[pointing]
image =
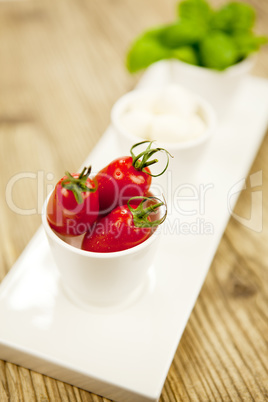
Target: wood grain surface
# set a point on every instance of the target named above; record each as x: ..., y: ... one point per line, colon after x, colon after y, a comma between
x: 61, y: 70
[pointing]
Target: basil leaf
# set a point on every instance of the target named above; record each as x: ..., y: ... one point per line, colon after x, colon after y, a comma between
x: 187, y: 54
x: 145, y: 51
x: 182, y: 33
x: 234, y: 16
x: 247, y: 43
x: 218, y: 51
x: 195, y: 10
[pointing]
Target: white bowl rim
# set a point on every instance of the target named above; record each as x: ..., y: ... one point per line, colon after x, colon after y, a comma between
x: 94, y: 255
x: 233, y: 70
x: 205, y: 106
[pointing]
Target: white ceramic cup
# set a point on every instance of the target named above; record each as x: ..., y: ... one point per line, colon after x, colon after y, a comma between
x: 186, y: 155
x: 101, y: 279
x: 217, y: 87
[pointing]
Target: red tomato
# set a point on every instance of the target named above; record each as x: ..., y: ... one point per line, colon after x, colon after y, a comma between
x: 126, y: 177
x: 123, y: 228
x: 119, y: 181
x: 74, y: 204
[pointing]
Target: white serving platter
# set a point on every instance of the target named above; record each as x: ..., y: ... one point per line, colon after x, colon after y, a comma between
x: 124, y: 352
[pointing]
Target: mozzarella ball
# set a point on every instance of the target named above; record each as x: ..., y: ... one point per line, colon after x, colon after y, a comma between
x: 175, y: 100
x: 137, y: 122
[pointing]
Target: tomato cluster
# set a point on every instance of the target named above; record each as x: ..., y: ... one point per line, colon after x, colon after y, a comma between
x: 112, y: 210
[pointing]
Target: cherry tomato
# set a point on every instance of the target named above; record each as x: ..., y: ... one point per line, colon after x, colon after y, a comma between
x: 74, y: 204
x: 126, y: 177
x: 123, y: 228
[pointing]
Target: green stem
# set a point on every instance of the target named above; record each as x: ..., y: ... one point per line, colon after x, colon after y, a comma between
x: 78, y: 185
x: 140, y: 214
x: 141, y: 161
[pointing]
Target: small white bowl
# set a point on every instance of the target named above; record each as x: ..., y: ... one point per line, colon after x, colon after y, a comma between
x: 101, y: 279
x: 186, y: 154
x: 217, y: 87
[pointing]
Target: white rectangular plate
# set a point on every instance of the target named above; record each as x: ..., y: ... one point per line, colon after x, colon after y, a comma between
x: 124, y: 353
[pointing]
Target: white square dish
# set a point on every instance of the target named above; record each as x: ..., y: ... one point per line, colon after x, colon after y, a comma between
x: 124, y: 352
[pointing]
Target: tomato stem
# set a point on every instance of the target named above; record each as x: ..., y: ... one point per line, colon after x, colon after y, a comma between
x: 78, y: 184
x: 141, y: 161
x: 140, y: 214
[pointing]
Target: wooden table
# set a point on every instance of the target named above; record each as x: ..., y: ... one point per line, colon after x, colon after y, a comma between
x: 61, y: 70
